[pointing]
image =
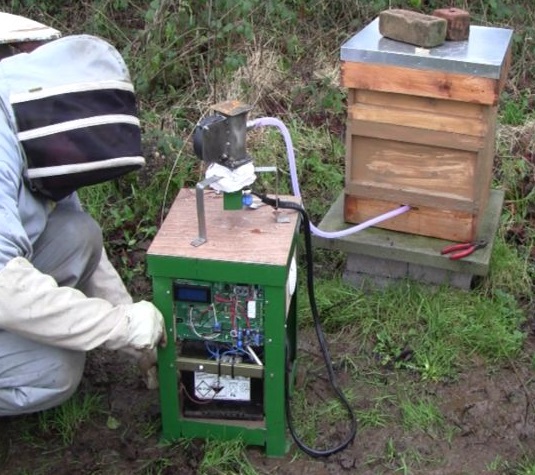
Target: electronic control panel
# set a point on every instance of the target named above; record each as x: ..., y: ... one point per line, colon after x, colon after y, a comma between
x: 219, y: 312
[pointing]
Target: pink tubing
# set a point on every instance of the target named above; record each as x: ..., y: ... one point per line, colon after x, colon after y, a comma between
x: 272, y: 121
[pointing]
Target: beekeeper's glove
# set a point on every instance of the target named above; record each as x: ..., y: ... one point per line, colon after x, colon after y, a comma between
x: 32, y: 305
x: 106, y: 283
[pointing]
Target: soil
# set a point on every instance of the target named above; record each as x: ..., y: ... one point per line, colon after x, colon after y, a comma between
x: 489, y: 416
x: 491, y: 413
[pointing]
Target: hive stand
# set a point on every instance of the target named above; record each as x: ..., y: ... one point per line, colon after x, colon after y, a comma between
x: 378, y: 257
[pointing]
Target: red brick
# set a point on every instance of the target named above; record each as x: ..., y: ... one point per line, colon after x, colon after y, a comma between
x: 458, y: 23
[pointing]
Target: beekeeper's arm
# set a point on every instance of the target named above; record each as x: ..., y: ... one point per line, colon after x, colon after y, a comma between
x: 32, y: 304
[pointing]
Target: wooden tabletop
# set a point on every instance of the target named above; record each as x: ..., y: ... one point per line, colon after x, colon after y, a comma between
x: 247, y: 235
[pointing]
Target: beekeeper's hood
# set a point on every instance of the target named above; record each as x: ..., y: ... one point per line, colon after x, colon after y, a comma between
x: 75, y: 111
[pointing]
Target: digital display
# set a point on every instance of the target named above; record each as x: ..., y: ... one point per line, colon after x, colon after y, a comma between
x: 192, y: 293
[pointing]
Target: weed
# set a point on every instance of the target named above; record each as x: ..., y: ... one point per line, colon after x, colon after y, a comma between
x: 225, y: 458
x: 422, y: 415
x: 66, y: 419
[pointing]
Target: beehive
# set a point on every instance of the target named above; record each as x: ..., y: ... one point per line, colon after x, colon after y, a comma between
x: 421, y: 129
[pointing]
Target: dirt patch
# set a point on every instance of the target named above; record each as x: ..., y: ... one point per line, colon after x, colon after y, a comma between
x: 488, y: 416
x: 128, y: 446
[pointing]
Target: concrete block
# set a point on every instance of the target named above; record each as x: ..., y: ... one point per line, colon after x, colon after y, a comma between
x: 377, y: 266
x: 376, y: 274
x: 458, y: 23
x: 435, y: 276
x: 411, y: 27
x: 367, y: 282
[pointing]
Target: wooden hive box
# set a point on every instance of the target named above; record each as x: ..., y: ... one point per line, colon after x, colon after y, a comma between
x: 421, y: 129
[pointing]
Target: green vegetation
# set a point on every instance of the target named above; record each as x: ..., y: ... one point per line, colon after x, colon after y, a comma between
x: 282, y: 57
x: 67, y: 418
x: 61, y: 422
x: 225, y: 458
x: 525, y: 466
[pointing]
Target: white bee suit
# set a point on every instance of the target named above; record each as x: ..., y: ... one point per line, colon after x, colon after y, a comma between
x: 59, y: 295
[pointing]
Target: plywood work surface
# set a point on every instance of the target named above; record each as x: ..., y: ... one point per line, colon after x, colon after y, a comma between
x: 248, y: 236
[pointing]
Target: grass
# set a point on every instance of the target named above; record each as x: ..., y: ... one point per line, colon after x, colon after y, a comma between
x: 421, y: 415
x: 283, y: 61
x: 377, y: 415
x: 225, y: 458
x: 439, y: 331
x: 163, y: 463
x: 66, y: 419
x: 398, y: 460
x: 310, y: 408
x: 524, y: 466
x: 61, y: 422
x: 516, y: 110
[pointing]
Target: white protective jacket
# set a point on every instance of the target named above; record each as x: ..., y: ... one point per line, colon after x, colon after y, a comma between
x: 32, y: 304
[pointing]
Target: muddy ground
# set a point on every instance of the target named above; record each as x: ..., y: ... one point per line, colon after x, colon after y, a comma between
x: 489, y: 420
x: 491, y: 413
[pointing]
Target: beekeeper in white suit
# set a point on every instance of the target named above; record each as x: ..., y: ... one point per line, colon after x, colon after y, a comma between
x: 59, y: 295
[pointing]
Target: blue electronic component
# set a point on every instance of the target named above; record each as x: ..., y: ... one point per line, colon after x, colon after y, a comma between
x: 224, y: 312
x: 247, y: 200
x: 191, y: 293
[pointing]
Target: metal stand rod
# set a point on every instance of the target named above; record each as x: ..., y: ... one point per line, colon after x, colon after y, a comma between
x: 201, y: 216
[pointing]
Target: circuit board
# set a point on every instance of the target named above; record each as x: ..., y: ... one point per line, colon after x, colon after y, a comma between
x: 219, y: 312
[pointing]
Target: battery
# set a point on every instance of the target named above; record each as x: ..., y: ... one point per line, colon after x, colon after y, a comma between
x: 222, y: 388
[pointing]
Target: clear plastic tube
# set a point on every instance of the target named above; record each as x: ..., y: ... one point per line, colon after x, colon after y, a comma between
x: 272, y: 121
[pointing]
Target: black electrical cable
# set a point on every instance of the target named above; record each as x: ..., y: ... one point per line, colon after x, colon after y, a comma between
x: 276, y: 203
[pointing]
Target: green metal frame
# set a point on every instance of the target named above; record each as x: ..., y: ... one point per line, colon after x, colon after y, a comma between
x: 279, y: 331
